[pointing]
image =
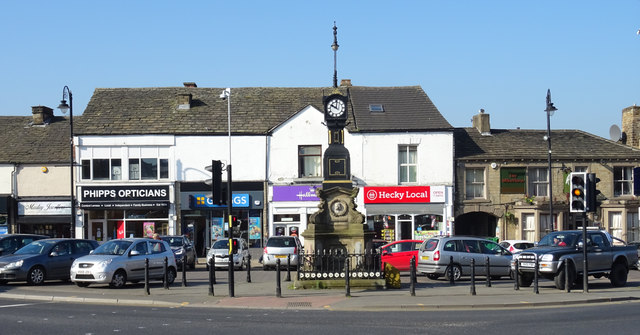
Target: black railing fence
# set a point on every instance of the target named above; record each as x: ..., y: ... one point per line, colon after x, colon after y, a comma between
x: 331, y: 264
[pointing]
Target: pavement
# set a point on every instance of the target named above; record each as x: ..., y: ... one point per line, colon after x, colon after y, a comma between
x: 261, y: 293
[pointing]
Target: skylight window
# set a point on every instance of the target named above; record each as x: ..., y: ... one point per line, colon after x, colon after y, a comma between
x: 376, y: 108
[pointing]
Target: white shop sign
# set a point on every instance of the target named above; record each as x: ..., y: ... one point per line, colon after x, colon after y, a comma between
x: 44, y: 208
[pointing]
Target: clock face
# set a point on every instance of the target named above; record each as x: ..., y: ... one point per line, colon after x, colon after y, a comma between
x: 336, y: 107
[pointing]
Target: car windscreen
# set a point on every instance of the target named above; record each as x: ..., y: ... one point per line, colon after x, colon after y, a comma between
x: 221, y: 244
x: 114, y: 247
x: 36, y: 247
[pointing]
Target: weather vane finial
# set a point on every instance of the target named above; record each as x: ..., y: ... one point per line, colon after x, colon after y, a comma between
x: 335, y: 47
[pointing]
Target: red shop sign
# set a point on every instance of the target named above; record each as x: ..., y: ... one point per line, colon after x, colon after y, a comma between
x: 397, y: 194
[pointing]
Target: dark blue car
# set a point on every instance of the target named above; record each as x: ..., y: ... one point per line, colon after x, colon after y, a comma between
x: 42, y: 260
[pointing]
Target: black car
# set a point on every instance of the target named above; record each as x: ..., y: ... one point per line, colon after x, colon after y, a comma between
x: 44, y: 259
x: 9, y: 243
x: 181, y: 245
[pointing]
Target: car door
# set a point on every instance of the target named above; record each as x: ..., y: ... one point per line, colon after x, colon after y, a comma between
x: 58, y: 263
x: 156, y: 260
x: 134, y: 264
x: 599, y: 252
x: 499, y: 259
x: 470, y: 250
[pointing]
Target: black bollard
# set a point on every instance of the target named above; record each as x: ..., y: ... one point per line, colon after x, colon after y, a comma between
x: 278, y: 289
x: 248, y: 268
x: 412, y: 287
x: 451, y: 280
x: 567, y: 283
x: 473, y: 276
x: 184, y: 270
x: 165, y: 279
x: 288, y: 268
x: 347, y: 274
x: 535, y: 277
x: 146, y: 276
x: 516, y: 284
x: 488, y: 271
x: 212, y: 277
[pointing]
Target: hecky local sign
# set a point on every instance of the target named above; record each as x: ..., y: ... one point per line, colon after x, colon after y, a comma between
x: 404, y: 194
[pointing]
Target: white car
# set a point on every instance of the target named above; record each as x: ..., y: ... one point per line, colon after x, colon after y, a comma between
x: 117, y: 261
x: 516, y: 246
x: 220, y: 250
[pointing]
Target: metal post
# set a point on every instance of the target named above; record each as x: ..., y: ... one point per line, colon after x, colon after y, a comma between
x: 278, y: 288
x: 212, y: 278
x: 165, y: 279
x: 535, y: 276
x: 473, y: 276
x: 249, y: 268
x: 516, y: 284
x: 184, y: 270
x: 288, y: 268
x: 64, y: 107
x: 412, y: 287
x: 585, y: 263
x: 567, y: 282
x: 146, y: 276
x: 230, y: 218
x: 488, y: 272
x: 451, y: 280
x: 550, y: 109
x: 347, y: 274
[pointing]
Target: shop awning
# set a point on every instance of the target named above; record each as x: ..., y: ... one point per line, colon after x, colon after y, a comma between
x: 381, y: 209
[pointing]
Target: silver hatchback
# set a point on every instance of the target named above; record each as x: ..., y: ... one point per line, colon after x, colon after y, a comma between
x: 117, y: 261
x: 438, y: 254
x: 281, y: 247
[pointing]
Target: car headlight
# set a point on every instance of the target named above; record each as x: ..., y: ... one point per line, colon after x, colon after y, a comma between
x: 179, y: 252
x: 546, y: 258
x: 104, y: 264
x: 14, y: 265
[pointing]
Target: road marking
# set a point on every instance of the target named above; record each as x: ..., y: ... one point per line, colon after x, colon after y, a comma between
x: 19, y: 305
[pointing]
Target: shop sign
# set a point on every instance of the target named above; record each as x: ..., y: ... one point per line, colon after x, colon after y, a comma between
x: 513, y: 181
x: 124, y: 193
x: 44, y: 208
x: 295, y: 193
x: 202, y: 201
x: 404, y: 194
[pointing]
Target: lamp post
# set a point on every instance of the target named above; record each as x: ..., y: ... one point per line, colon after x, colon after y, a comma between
x: 550, y: 110
x: 66, y: 92
x: 226, y: 95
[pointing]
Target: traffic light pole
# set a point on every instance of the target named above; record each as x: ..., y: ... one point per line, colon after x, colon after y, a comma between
x: 230, y: 220
x: 585, y: 263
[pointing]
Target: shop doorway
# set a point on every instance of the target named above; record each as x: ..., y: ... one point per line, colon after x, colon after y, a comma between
x: 98, y: 230
x: 405, y: 223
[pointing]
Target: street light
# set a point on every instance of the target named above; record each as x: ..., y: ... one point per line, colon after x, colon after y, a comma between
x: 66, y: 92
x: 550, y: 110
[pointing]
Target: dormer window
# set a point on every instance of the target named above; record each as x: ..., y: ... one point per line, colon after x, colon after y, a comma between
x: 376, y: 108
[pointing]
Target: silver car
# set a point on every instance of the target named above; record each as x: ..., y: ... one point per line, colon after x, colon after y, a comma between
x: 220, y: 250
x: 438, y: 254
x: 281, y: 247
x: 117, y: 261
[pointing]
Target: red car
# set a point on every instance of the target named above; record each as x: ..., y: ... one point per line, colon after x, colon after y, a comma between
x: 399, y: 253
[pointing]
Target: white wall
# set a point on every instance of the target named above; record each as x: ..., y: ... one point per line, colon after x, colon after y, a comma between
x: 5, y: 178
x: 43, y: 180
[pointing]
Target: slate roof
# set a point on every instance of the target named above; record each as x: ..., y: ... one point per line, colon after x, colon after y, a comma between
x: 254, y: 110
x: 529, y: 145
x: 23, y: 143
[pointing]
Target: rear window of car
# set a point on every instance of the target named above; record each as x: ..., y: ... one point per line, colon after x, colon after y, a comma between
x: 281, y: 242
x: 430, y: 245
x: 523, y: 245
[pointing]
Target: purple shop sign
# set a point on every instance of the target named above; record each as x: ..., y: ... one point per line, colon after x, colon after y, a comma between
x: 295, y: 193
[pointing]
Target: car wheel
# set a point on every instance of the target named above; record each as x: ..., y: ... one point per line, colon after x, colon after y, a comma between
x: 82, y: 284
x: 36, y: 276
x: 171, y: 276
x: 3, y: 282
x: 119, y: 279
x: 457, y: 272
x: 525, y: 280
x: 618, y: 276
x: 433, y: 276
x: 559, y: 279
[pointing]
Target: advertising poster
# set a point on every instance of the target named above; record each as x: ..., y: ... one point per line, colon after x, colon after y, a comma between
x: 255, y: 232
x: 217, y: 228
x: 120, y: 231
x: 149, y: 229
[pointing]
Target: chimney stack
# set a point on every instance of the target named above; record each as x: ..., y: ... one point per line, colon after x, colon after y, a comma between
x: 41, y: 115
x: 184, y: 101
x: 189, y: 84
x: 345, y: 83
x: 481, y: 122
x: 631, y: 125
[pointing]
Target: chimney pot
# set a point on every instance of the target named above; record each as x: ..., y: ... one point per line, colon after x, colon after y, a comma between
x: 345, y: 82
x: 189, y: 84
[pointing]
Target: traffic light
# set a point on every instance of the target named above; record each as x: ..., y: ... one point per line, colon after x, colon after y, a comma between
x: 578, y: 197
x: 592, y: 192
x: 216, y: 181
x: 234, y: 246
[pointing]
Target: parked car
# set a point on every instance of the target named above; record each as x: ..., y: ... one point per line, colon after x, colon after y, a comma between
x: 399, y: 253
x: 281, y: 247
x: 435, y: 257
x: 9, y: 243
x: 637, y: 244
x: 515, y: 246
x: 118, y: 261
x: 181, y: 245
x: 220, y: 250
x: 44, y: 259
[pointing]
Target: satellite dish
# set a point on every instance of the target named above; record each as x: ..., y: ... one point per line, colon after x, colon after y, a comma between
x: 614, y: 133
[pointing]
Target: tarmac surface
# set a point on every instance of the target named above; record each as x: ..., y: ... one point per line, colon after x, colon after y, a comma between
x: 261, y: 293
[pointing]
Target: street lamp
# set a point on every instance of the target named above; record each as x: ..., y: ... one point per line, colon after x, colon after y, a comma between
x: 66, y: 92
x: 550, y: 110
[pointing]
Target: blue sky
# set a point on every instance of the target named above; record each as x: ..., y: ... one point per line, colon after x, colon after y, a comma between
x: 501, y: 56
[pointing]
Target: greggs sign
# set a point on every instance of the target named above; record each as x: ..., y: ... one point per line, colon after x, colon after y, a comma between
x: 404, y: 194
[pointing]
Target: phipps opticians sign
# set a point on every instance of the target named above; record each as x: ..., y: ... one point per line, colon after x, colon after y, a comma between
x: 124, y: 196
